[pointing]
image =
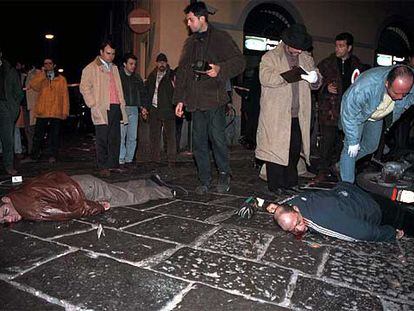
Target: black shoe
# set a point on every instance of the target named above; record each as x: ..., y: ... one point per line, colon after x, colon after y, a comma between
x: 223, y: 184
x: 277, y: 191
x: 202, y: 189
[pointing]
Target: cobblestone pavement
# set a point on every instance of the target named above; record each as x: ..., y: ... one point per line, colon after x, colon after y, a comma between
x: 191, y: 253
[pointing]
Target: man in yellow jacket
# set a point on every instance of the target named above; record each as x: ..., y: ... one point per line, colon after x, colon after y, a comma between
x: 51, y: 107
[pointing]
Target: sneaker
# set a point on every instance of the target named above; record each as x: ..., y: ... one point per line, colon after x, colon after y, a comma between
x: 121, y: 162
x: 202, y: 189
x: 223, y: 184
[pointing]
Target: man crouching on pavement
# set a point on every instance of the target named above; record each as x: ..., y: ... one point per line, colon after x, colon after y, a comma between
x: 345, y: 212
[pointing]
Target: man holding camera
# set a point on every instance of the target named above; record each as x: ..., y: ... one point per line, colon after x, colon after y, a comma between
x: 209, y: 58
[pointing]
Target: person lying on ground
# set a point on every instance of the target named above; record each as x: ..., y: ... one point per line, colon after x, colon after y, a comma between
x: 345, y: 212
x: 55, y: 196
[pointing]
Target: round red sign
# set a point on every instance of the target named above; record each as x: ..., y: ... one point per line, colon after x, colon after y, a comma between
x: 139, y: 21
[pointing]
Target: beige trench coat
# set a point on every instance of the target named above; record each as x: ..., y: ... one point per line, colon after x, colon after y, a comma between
x: 94, y: 87
x: 273, y: 133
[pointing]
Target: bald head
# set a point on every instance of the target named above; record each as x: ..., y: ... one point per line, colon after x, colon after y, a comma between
x: 289, y: 218
x: 399, y: 82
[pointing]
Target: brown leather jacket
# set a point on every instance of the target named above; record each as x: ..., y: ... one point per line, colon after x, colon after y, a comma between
x: 52, y: 196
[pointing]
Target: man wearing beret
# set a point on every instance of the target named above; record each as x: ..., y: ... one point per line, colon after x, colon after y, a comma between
x: 285, y: 108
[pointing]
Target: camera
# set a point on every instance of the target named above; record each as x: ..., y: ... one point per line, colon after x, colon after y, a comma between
x: 200, y: 66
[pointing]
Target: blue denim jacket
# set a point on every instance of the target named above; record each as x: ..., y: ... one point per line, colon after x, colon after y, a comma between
x: 362, y: 99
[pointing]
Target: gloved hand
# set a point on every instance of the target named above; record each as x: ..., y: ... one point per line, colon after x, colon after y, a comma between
x: 246, y: 211
x: 353, y: 150
x: 310, y: 76
x: 248, y: 208
x: 405, y: 196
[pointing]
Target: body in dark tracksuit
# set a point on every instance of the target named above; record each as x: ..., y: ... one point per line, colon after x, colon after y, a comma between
x: 346, y: 212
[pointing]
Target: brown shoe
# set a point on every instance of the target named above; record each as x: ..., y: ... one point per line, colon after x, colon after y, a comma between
x: 104, y: 172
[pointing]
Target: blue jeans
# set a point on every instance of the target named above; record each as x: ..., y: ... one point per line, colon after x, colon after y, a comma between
x: 369, y: 134
x: 210, y: 125
x: 129, y: 135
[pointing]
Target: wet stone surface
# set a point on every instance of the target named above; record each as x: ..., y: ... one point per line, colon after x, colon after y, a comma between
x: 175, y: 229
x: 191, y: 210
x: 102, y: 283
x: 289, y: 252
x: 384, y: 276
x: 260, y: 221
x: 120, y: 217
x: 19, y: 252
x: 239, y: 242
x: 203, y: 297
x: 226, y: 272
x: 117, y: 244
x: 49, y: 229
x: 316, y: 295
x: 12, y: 298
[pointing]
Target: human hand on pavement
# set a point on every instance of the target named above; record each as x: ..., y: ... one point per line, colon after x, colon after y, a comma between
x: 399, y: 234
x: 310, y: 76
x: 214, y: 71
x: 353, y: 150
x: 179, y: 110
x: 144, y: 113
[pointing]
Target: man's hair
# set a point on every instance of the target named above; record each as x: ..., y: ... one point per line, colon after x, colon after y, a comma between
x: 285, y: 209
x: 128, y: 56
x: 345, y: 36
x: 105, y: 43
x: 399, y: 71
x: 198, y: 8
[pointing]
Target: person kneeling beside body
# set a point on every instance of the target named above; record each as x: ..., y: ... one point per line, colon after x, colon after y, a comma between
x: 345, y: 212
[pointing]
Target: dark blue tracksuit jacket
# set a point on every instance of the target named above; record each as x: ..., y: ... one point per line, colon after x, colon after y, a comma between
x: 346, y: 212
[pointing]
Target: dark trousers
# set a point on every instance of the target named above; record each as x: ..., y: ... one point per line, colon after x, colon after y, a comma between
x: 53, y: 136
x: 108, y: 139
x: 280, y: 176
x: 395, y: 214
x: 157, y: 122
x: 210, y: 125
x: 7, y: 120
x: 330, y: 145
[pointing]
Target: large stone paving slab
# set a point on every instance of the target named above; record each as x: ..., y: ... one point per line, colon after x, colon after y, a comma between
x: 191, y: 210
x: 240, y: 242
x: 206, y: 298
x: 379, y: 275
x: 48, y: 229
x: 371, y: 248
x: 120, y: 217
x: 317, y: 295
x: 117, y: 244
x: 19, y: 252
x: 261, y: 221
x: 176, y: 229
x: 226, y: 272
x: 12, y: 298
x: 289, y: 252
x: 102, y: 283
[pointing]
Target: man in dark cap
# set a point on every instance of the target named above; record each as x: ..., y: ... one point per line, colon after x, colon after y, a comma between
x: 160, y: 88
x: 11, y: 95
x: 285, y: 109
x: 209, y: 59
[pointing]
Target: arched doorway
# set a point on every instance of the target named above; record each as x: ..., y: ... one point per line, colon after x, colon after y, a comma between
x: 262, y: 31
x: 394, y: 45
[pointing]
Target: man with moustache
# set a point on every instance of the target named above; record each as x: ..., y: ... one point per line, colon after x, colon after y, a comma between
x: 160, y: 88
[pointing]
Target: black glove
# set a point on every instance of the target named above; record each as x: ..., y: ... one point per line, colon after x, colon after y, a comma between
x: 247, y: 209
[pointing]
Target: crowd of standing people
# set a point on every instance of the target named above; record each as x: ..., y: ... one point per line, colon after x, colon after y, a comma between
x: 352, y: 103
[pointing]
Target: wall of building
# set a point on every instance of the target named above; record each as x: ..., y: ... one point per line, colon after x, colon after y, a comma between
x: 324, y: 20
